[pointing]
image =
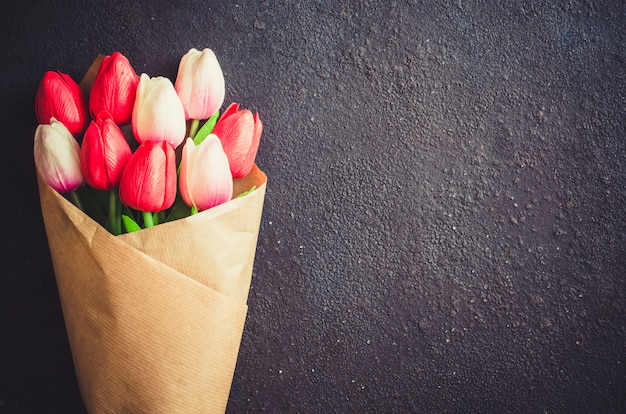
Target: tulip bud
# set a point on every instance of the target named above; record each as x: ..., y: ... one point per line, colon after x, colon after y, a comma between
x: 200, y: 84
x: 158, y: 114
x: 240, y: 133
x: 205, y: 179
x: 149, y: 180
x: 104, y: 153
x: 56, y: 154
x: 114, y: 89
x: 60, y: 97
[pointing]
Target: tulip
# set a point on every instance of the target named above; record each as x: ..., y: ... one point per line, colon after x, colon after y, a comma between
x: 60, y: 97
x: 104, y: 153
x: 56, y: 154
x: 200, y: 84
x: 205, y: 179
x: 240, y: 133
x: 114, y: 89
x: 149, y: 180
x: 158, y: 114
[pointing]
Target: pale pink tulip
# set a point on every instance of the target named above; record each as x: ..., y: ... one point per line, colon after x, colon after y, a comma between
x: 205, y: 179
x: 158, y: 114
x: 200, y: 84
x: 57, y: 158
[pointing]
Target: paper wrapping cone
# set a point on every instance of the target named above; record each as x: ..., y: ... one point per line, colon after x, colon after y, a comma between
x: 154, y: 318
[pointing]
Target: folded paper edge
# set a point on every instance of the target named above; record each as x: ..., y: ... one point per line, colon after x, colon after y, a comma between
x: 50, y: 198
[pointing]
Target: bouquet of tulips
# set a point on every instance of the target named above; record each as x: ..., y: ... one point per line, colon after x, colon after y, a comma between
x: 159, y: 113
x: 154, y: 313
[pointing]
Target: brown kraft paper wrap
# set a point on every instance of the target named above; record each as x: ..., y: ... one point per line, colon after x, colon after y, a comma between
x: 154, y: 318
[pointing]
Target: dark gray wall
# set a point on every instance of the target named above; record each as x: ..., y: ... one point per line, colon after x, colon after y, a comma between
x: 445, y: 221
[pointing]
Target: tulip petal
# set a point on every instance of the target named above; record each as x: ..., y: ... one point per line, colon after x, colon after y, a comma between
x: 56, y: 154
x: 93, y: 164
x: 104, y: 153
x: 59, y: 96
x: 170, y: 176
x: 248, y: 161
x: 114, y: 88
x: 200, y: 84
x: 149, y: 180
x: 205, y: 179
x: 158, y: 114
x: 231, y: 109
x: 238, y: 133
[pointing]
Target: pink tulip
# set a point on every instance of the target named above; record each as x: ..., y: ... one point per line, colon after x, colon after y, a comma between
x: 200, y: 84
x: 60, y: 97
x: 114, y: 89
x: 149, y: 180
x: 56, y: 154
x: 158, y: 114
x: 240, y: 133
x: 104, y: 153
x: 205, y: 179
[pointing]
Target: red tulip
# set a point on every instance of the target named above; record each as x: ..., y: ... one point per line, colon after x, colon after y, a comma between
x: 56, y: 154
x: 200, y: 84
x: 240, y: 133
x: 158, y: 114
x: 149, y: 180
x: 60, y: 97
x: 104, y: 153
x: 114, y: 89
x: 205, y: 179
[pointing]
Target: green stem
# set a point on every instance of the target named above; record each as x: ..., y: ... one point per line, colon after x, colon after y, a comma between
x: 194, y: 210
x: 147, y: 219
x: 115, y: 219
x: 193, y: 128
x: 76, y: 200
x: 118, y: 209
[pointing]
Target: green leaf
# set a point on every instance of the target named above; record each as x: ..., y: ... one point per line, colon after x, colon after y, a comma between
x: 179, y: 210
x: 206, y: 129
x: 245, y: 193
x: 160, y: 217
x: 129, y: 224
x: 94, y: 203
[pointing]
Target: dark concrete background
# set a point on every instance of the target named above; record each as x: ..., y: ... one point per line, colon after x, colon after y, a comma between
x: 445, y: 222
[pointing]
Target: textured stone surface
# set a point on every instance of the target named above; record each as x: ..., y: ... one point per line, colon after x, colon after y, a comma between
x: 445, y: 221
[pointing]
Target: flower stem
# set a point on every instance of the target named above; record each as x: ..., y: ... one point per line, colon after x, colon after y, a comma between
x: 76, y: 200
x: 147, y: 219
x: 193, y: 128
x: 115, y: 219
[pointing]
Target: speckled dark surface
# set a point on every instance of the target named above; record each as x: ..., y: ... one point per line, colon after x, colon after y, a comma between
x: 445, y: 221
